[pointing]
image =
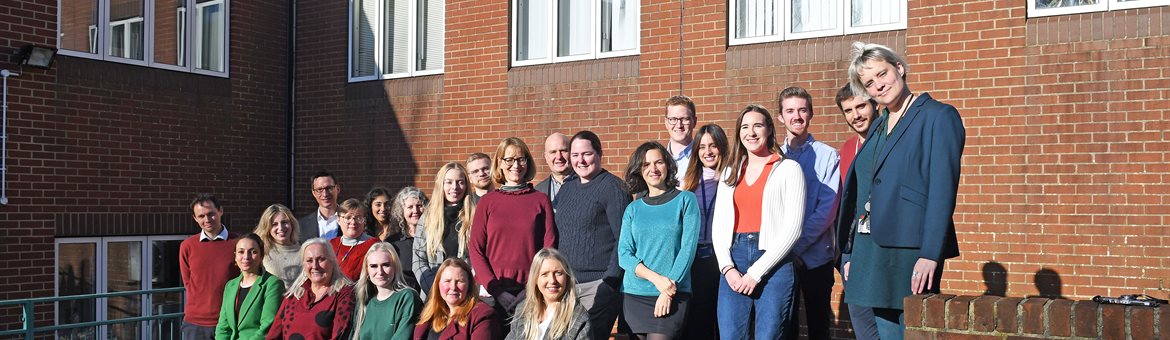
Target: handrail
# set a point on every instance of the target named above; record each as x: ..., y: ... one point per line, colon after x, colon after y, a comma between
x: 29, y: 329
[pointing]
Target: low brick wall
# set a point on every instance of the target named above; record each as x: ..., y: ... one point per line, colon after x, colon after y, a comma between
x: 943, y: 316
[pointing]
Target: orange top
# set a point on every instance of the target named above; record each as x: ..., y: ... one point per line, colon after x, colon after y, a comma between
x: 749, y: 198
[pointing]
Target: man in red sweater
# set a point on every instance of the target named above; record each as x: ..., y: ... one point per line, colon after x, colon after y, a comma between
x: 206, y: 261
x: 859, y: 112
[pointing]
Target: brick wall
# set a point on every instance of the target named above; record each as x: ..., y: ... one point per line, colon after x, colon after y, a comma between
x: 99, y: 148
x: 1064, y: 174
x: 991, y: 317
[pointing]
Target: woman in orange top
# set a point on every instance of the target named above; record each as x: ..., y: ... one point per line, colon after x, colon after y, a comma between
x: 758, y: 213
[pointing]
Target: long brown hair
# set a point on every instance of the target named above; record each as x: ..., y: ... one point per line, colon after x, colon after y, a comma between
x: 740, y: 152
x: 437, y: 313
x: 694, y: 176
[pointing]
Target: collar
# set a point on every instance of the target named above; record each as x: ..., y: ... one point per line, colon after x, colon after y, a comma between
x: 321, y: 218
x: 223, y: 235
x: 682, y: 153
x: 797, y: 148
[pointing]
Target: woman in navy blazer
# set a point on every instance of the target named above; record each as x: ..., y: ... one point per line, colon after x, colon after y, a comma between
x: 250, y: 301
x: 899, y: 197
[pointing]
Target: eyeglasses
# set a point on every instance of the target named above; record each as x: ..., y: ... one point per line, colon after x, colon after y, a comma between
x: 355, y: 219
x: 677, y: 120
x: 513, y: 160
x: 324, y: 189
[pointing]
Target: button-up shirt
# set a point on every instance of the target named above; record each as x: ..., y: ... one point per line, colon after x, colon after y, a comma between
x: 327, y: 227
x: 223, y: 235
x: 682, y: 159
x: 822, y: 177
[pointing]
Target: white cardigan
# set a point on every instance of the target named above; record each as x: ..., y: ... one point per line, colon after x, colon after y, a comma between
x: 782, y: 215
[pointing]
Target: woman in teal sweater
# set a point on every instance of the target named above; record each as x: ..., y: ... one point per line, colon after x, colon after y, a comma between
x: 657, y: 245
x: 251, y: 300
x: 387, y: 308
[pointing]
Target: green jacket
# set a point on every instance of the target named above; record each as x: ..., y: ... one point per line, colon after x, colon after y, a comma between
x: 256, y: 312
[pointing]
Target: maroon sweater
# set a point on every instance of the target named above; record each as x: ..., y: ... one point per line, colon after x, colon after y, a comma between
x: 304, y: 319
x: 206, y: 267
x: 508, y: 229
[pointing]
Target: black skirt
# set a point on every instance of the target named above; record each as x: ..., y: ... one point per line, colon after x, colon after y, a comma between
x: 639, y: 314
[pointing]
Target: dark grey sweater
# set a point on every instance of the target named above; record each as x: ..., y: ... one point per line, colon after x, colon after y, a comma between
x: 589, y: 222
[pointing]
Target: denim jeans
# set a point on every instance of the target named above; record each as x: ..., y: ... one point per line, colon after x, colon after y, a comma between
x: 890, y: 323
x: 772, y: 298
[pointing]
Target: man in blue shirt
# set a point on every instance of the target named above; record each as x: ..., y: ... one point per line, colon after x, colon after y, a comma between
x: 680, y: 123
x: 813, y: 251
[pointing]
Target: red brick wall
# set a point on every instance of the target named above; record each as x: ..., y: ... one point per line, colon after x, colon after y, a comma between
x: 100, y: 148
x: 1064, y: 176
x: 992, y: 317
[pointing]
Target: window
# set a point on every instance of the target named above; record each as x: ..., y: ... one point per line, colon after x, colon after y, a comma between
x: 1042, y: 8
x: 116, y: 264
x: 147, y: 32
x: 755, y: 21
x: 395, y: 38
x: 549, y: 31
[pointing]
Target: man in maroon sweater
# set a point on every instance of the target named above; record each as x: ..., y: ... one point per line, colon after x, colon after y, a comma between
x: 859, y: 112
x: 206, y: 261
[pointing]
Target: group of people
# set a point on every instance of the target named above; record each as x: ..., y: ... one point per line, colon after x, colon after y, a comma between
x: 702, y: 237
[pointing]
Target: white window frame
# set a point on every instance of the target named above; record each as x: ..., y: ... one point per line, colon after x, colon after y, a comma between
x: 1100, y: 6
x: 198, y: 47
x: 101, y: 274
x: 126, y: 36
x: 594, y: 36
x: 378, y: 26
x: 103, y: 29
x: 783, y: 19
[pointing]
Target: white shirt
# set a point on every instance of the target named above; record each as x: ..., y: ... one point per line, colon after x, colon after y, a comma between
x: 223, y: 235
x: 327, y: 227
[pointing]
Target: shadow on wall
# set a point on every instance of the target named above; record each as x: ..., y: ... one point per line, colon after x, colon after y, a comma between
x: 995, y: 277
x: 1048, y: 284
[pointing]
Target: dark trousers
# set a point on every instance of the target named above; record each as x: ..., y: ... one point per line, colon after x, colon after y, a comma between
x: 814, y: 286
x: 701, y: 324
x: 192, y: 331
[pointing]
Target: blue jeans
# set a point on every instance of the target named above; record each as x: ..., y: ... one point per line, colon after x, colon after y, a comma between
x: 890, y: 323
x: 772, y: 298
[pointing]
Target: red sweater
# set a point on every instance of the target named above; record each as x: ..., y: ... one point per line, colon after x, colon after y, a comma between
x: 507, y: 231
x: 304, y: 319
x: 848, y: 153
x: 350, y: 258
x: 206, y: 267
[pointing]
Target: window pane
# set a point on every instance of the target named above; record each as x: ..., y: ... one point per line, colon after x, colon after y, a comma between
x: 532, y: 29
x: 209, y: 31
x: 170, y: 31
x: 756, y: 18
x: 123, y: 274
x: 78, y: 25
x: 397, y: 34
x: 76, y: 275
x: 1063, y: 3
x: 619, y: 25
x: 573, y: 27
x: 126, y: 30
x: 814, y: 15
x: 875, y: 12
x: 365, y: 12
x: 430, y: 34
x: 165, y: 274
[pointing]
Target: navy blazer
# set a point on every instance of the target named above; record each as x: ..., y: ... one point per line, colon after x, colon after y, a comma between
x: 915, y: 183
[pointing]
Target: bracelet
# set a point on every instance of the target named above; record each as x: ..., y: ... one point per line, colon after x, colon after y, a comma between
x: 726, y: 269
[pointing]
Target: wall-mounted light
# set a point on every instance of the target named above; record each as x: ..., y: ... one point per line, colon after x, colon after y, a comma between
x: 37, y: 56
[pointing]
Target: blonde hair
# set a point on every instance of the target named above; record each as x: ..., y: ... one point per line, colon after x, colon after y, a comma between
x: 534, y: 306
x: 498, y: 160
x: 862, y: 53
x: 433, y: 220
x: 437, y: 313
x: 364, y: 290
x: 297, y: 289
x: 264, y: 227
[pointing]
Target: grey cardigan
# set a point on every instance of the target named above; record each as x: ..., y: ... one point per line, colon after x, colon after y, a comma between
x: 578, y: 327
x: 424, y: 266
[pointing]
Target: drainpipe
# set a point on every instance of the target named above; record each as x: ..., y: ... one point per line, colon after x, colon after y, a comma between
x: 292, y: 102
x: 5, y: 73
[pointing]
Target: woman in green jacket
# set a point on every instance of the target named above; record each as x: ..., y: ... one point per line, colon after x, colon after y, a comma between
x: 251, y: 300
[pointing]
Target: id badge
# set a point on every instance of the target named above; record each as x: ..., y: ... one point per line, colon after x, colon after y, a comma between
x: 863, y: 224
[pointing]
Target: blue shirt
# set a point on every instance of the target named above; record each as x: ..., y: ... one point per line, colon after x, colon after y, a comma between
x: 822, y: 178
x: 661, y: 236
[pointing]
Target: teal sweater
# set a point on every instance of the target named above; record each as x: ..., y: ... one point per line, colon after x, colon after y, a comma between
x: 393, y: 318
x: 660, y: 232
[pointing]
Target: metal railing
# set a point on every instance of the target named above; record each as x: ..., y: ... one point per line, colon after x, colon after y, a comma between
x: 28, y: 315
